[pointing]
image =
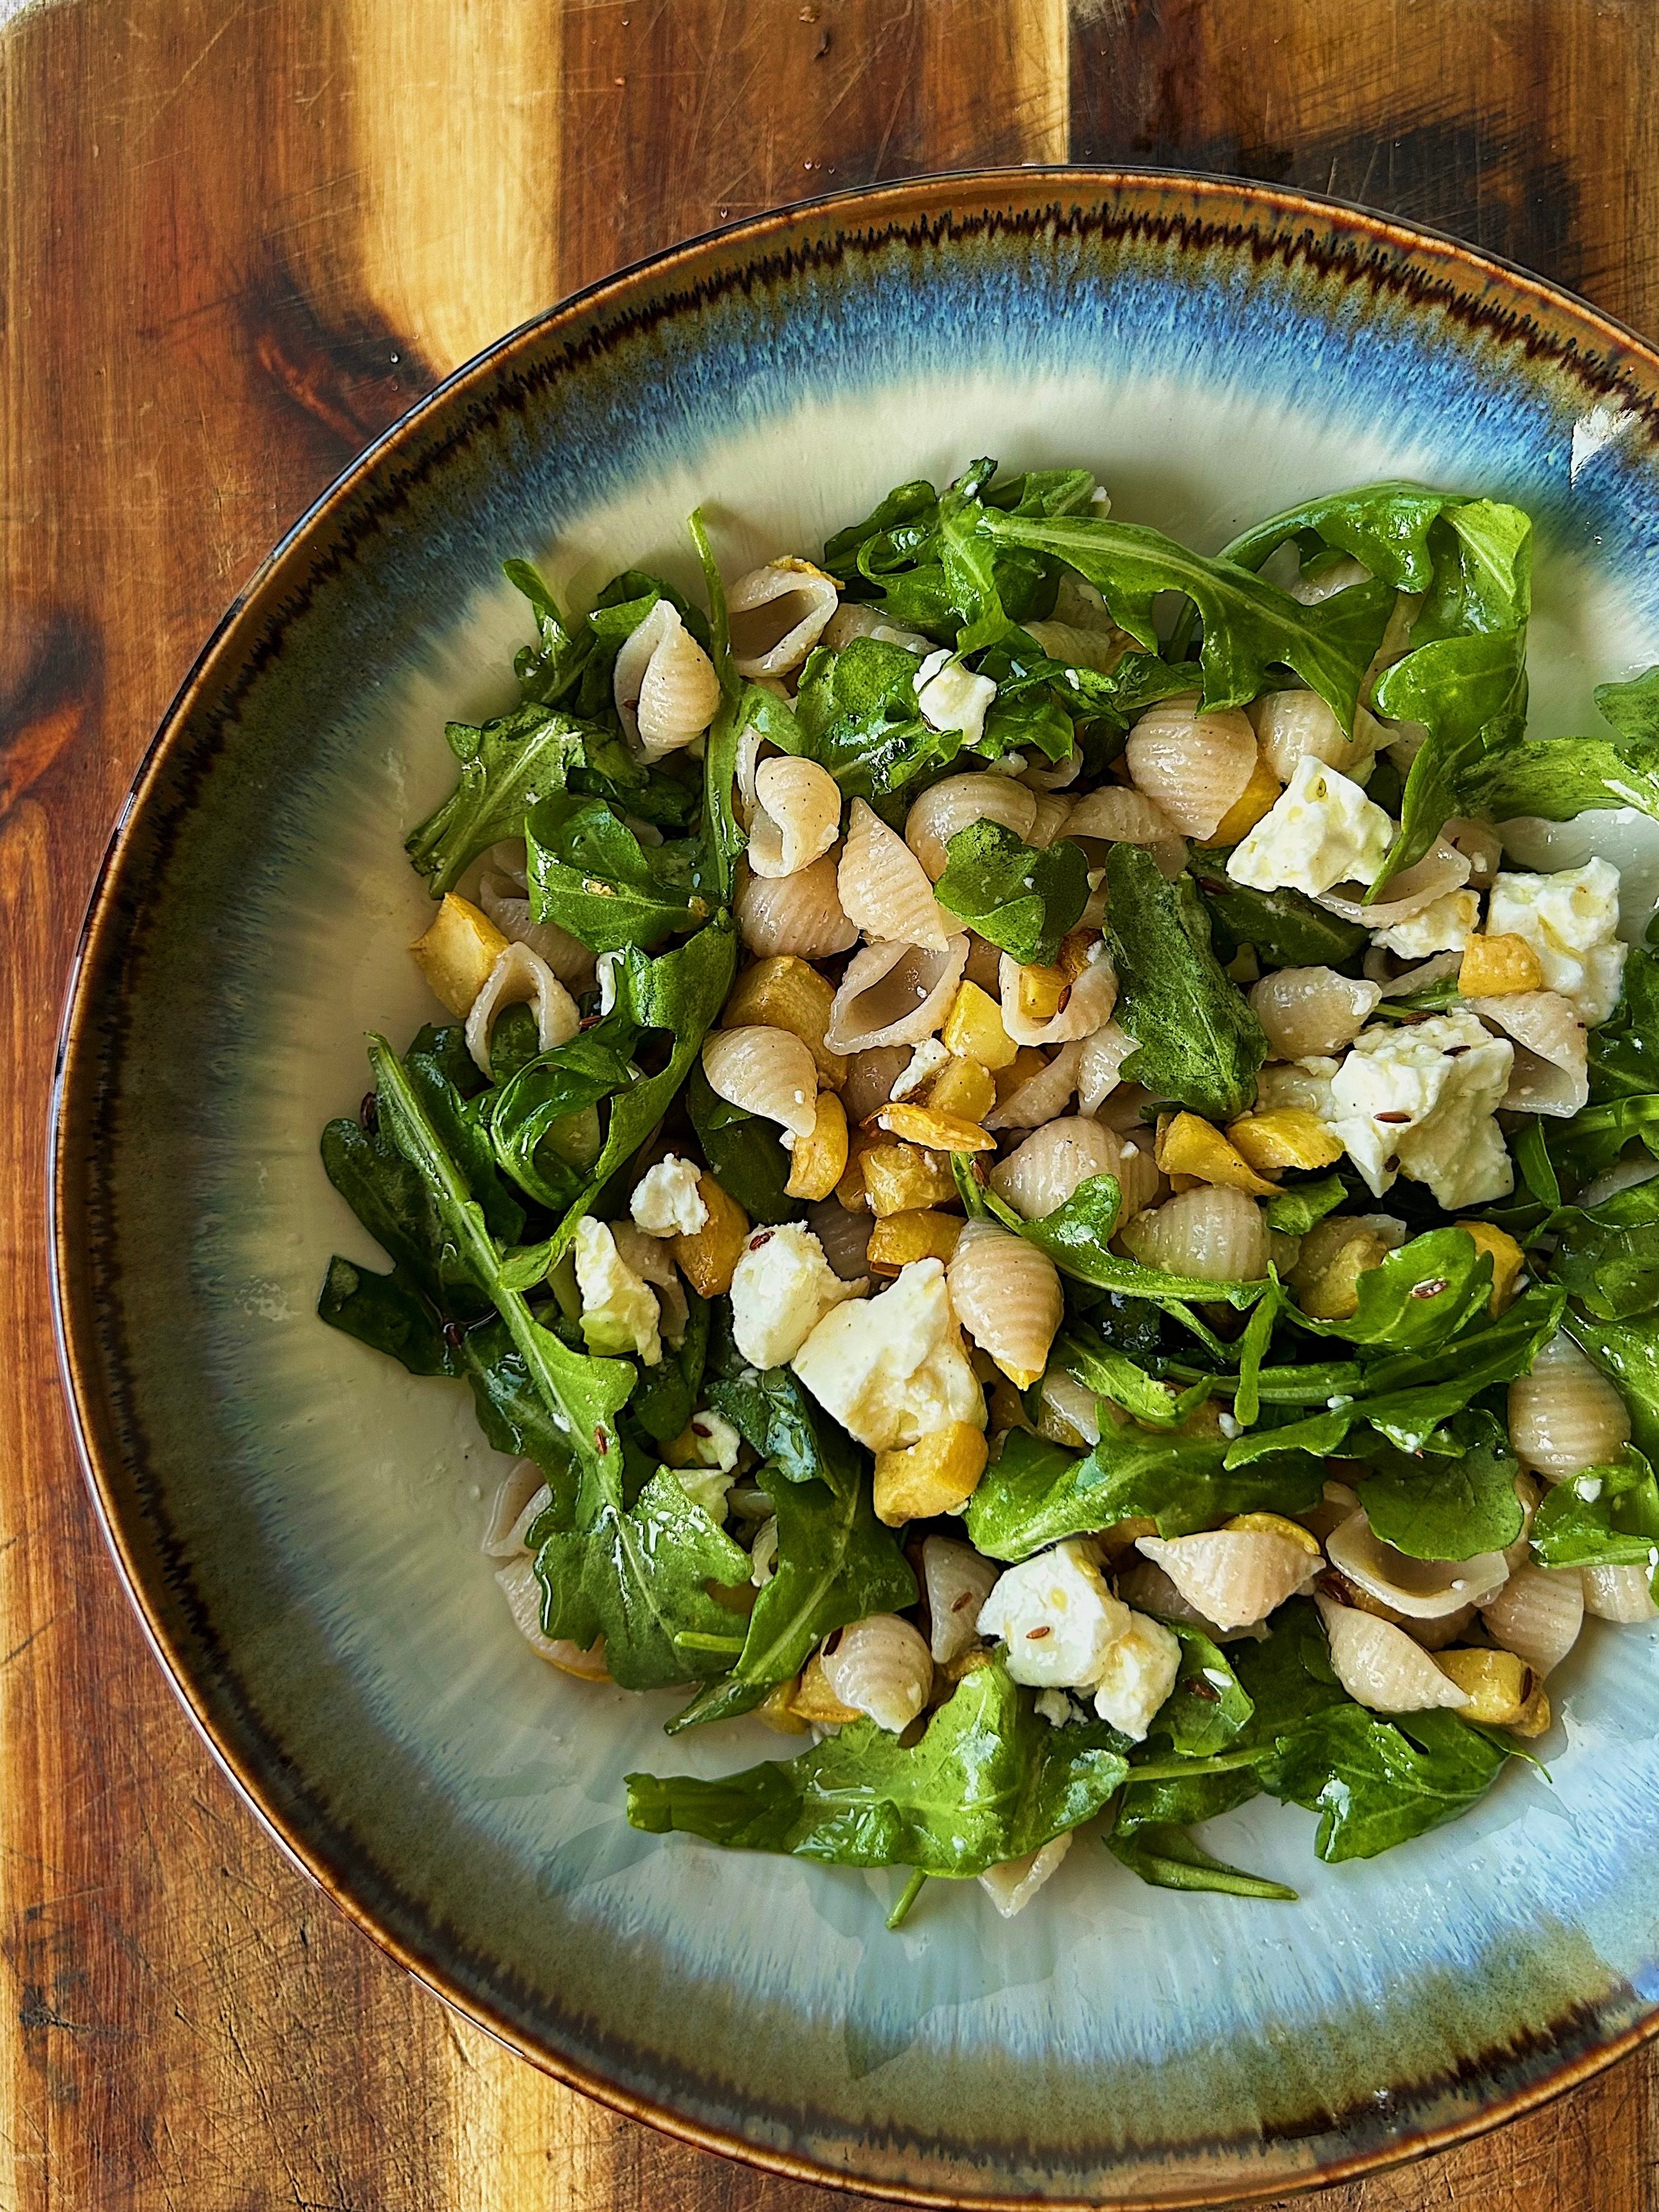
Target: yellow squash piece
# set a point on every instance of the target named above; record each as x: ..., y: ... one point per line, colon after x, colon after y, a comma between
x: 814, y: 1701
x: 819, y: 1161
x: 903, y: 1237
x: 937, y: 1131
x: 1258, y: 798
x: 1026, y: 1062
x: 777, y: 1710
x: 964, y: 1087
x: 940, y: 1472
x: 785, y: 992
x: 1289, y: 1137
x: 1507, y: 1260
x: 1333, y: 1293
x: 1494, y: 966
x: 458, y: 952
x: 1497, y: 1684
x: 973, y: 1029
x: 1041, y: 993
x: 1187, y: 1146
x: 901, y: 1178
x: 707, y: 1258
x: 1533, y: 1717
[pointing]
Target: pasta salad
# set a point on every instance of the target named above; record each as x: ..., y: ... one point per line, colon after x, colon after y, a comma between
x: 1035, y: 1201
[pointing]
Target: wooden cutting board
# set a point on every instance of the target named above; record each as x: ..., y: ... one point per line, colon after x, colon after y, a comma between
x: 240, y: 237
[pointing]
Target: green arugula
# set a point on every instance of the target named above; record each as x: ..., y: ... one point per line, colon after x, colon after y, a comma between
x: 1249, y: 626
x: 552, y: 667
x: 1197, y: 1041
x: 1294, y: 1210
x: 988, y: 1781
x: 1628, y: 1352
x: 1021, y: 899
x: 1607, y: 1256
x: 743, y: 1153
x: 1419, y: 1296
x: 543, y: 1128
x: 1038, y: 1493
x: 1384, y: 527
x: 667, y: 1395
x: 1286, y: 929
x: 1431, y: 1506
x: 1377, y: 1782
x: 1111, y: 1373
x: 1208, y: 1705
x: 1609, y: 1517
x: 590, y: 874
x: 639, y: 1576
x: 1624, y: 1053
x: 508, y: 767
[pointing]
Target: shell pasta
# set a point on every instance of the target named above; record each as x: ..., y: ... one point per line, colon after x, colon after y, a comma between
x: 1041, y: 1246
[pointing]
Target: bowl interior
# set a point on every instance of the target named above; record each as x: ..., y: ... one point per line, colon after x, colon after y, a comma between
x: 302, y: 1521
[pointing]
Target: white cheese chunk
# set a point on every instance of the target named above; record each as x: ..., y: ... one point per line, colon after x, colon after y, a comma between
x: 891, y: 1369
x: 1570, y: 921
x: 619, y: 1310
x: 926, y: 1061
x: 704, y: 1486
x: 666, y: 1202
x: 1139, y: 1674
x: 1057, y: 1617
x: 781, y: 1288
x: 1320, y: 831
x: 1418, y: 1101
x: 1445, y: 925
x: 951, y: 698
x: 714, y: 1442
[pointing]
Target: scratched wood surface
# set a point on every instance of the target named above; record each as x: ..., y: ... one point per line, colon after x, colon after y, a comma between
x: 240, y: 237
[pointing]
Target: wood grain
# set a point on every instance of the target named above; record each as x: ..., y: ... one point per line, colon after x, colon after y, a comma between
x: 239, y: 236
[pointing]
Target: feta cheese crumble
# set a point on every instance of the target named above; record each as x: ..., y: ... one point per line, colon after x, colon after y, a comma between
x: 1321, y: 830
x: 1057, y: 1618
x: 781, y: 1288
x: 1418, y: 1101
x: 951, y: 698
x: 1445, y: 925
x: 1570, y: 919
x: 1139, y: 1674
x: 891, y: 1369
x: 666, y: 1202
x: 619, y: 1310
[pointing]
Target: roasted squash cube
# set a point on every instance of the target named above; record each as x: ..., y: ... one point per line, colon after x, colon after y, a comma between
x: 818, y: 1161
x: 458, y: 952
x: 931, y: 1476
x: 973, y: 1029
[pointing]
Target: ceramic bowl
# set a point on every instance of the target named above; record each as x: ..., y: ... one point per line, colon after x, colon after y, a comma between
x: 298, y: 1523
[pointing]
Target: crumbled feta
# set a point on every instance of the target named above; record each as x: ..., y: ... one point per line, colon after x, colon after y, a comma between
x: 1057, y: 1617
x: 1320, y: 831
x: 666, y: 1202
x: 891, y: 1369
x: 619, y: 1310
x: 764, y: 1553
x: 1570, y: 921
x: 605, y: 970
x: 926, y: 1061
x: 713, y: 1441
x: 1445, y: 925
x: 1418, y: 1101
x: 704, y: 1486
x: 781, y: 1288
x: 951, y: 698
x: 1139, y: 1674
x: 1055, y: 1707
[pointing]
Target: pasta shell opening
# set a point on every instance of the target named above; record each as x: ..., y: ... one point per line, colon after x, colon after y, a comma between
x: 777, y: 614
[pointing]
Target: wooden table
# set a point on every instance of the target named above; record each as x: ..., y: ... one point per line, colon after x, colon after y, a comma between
x: 240, y: 236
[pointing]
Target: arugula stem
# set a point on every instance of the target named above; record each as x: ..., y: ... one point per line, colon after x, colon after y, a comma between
x: 691, y: 1639
x: 900, y: 1913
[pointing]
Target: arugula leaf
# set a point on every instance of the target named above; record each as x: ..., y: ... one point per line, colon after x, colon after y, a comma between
x: 1110, y: 1373
x: 590, y: 874
x: 638, y: 1576
x: 1197, y: 1041
x: 1624, y: 1053
x: 1167, y: 1857
x: 857, y: 714
x: 1377, y: 1782
x: 1209, y: 1704
x: 771, y: 1411
x: 1287, y: 929
x: 1607, y: 1255
x: 508, y: 766
x: 543, y: 1128
x: 1607, y: 1516
x: 1249, y: 626
x: 665, y: 1397
x: 1294, y: 1210
x: 988, y: 1781
x: 1024, y: 722
x: 386, y: 1314
x: 1586, y: 1144
x: 835, y: 1564
x: 1023, y: 900
x: 1384, y: 527
x: 1420, y: 1295
x: 1038, y: 1493
x: 906, y: 503
x: 582, y: 1395
x: 680, y: 992
x: 1628, y: 1352
x: 1560, y: 778
x: 551, y: 667
x: 1433, y: 1507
